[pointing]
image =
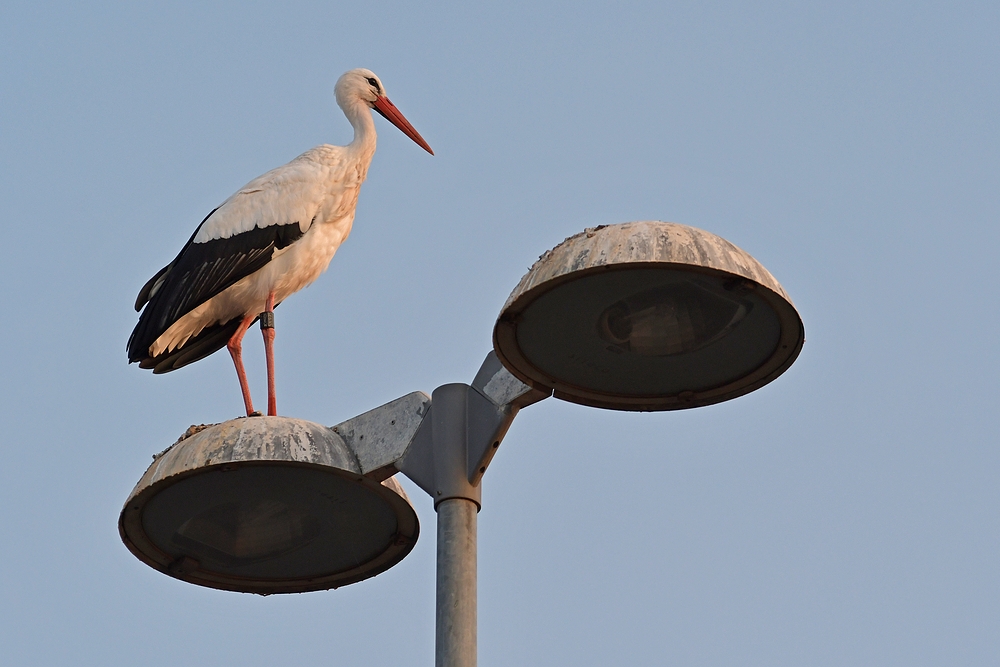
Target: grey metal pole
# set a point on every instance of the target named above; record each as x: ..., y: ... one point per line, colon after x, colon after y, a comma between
x: 455, y: 644
x: 450, y: 449
x: 456, y: 503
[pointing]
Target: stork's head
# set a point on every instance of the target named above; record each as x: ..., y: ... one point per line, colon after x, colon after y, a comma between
x: 364, y: 85
x: 357, y: 84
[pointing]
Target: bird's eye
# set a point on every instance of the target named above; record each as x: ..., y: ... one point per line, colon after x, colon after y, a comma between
x: 374, y: 83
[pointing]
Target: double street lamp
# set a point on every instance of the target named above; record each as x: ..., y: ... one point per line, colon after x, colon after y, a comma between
x: 638, y: 316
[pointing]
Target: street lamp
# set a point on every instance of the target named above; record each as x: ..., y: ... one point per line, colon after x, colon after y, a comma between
x: 648, y: 316
x: 265, y: 506
x: 637, y: 316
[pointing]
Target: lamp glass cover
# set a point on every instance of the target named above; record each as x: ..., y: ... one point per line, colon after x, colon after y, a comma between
x: 648, y: 332
x: 270, y: 521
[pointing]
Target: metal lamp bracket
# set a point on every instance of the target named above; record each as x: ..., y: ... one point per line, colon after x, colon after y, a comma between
x: 444, y: 442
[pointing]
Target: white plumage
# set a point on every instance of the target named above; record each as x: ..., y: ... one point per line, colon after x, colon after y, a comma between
x: 273, y: 237
x: 306, y: 189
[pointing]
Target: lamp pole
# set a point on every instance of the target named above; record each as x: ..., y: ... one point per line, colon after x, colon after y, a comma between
x: 457, y: 504
x: 447, y: 458
x: 455, y: 635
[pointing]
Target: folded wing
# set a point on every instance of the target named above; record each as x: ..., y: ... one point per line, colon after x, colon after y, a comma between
x: 232, y: 242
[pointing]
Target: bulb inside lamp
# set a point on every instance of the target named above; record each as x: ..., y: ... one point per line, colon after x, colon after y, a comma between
x: 669, y: 320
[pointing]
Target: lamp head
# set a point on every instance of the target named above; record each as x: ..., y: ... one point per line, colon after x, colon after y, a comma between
x: 647, y: 316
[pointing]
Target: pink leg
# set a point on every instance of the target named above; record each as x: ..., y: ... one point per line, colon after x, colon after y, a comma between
x: 267, y: 328
x: 235, y: 346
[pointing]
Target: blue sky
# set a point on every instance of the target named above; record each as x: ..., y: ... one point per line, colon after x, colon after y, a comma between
x: 845, y: 514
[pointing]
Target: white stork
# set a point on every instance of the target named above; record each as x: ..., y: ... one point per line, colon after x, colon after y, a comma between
x: 267, y: 241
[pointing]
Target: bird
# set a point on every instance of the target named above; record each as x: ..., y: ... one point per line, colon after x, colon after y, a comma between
x: 270, y: 239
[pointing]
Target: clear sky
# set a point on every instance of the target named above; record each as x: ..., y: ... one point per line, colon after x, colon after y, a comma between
x: 846, y: 514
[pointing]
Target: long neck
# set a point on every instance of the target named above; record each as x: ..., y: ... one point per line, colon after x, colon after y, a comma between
x: 360, y: 116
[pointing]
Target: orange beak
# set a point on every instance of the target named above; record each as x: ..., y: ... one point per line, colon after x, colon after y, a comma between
x: 391, y: 114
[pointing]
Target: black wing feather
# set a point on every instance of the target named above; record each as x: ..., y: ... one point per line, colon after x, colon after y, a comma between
x: 211, y: 339
x: 199, y: 272
x: 143, y: 297
x: 146, y: 292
